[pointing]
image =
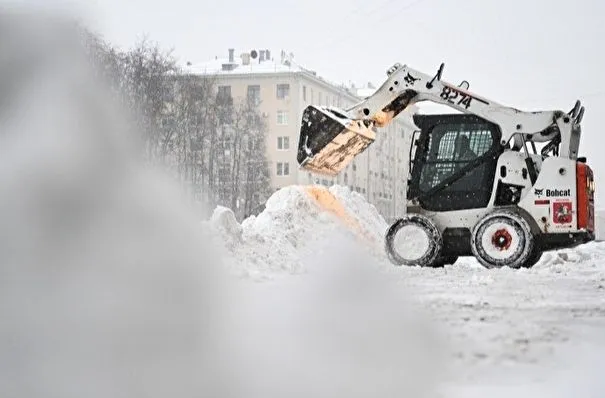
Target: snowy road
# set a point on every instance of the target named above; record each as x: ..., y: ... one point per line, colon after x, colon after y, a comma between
x: 542, y: 328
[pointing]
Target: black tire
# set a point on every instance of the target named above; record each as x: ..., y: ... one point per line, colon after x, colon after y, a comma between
x: 441, y: 261
x: 536, y: 254
x: 449, y: 260
x: 430, y: 256
x: 503, y: 239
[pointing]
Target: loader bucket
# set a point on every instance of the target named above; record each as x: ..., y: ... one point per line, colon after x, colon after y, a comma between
x: 329, y: 140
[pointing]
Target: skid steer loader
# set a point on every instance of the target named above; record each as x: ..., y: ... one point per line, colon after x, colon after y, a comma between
x: 488, y: 181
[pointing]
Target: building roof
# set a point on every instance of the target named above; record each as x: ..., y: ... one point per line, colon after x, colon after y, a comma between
x: 246, y: 64
x: 237, y: 66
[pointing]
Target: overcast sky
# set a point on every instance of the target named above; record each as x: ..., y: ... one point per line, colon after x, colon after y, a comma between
x: 531, y: 54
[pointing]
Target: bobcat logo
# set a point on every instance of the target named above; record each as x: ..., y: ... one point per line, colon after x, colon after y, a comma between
x: 552, y: 193
x: 409, y: 79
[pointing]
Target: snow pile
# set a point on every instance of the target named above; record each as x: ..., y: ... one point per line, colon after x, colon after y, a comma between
x: 223, y: 220
x: 585, y: 258
x: 301, y: 222
x: 365, y: 213
x: 106, y: 289
x: 298, y: 221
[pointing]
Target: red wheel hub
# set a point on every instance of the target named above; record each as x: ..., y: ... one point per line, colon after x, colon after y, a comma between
x: 502, y: 239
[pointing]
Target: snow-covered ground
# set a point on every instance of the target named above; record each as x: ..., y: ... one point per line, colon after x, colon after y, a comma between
x: 536, y: 332
x: 109, y: 288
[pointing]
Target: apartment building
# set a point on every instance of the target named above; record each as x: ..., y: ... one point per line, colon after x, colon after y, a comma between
x: 282, y: 89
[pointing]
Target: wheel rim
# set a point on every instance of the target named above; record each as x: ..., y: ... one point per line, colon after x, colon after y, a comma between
x: 412, y: 243
x: 502, y: 240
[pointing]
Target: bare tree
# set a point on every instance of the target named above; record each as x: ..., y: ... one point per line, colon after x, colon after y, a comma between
x: 148, y: 73
x: 253, y: 171
x: 237, y: 166
x: 193, y: 119
x: 214, y: 146
x: 106, y: 61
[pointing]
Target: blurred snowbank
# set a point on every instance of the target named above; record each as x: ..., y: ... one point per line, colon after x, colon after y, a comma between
x: 110, y: 288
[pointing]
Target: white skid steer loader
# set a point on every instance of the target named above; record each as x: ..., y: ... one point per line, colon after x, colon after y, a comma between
x: 478, y: 184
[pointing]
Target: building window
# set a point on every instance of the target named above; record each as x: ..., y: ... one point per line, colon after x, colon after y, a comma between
x: 224, y: 92
x: 254, y: 94
x: 282, y: 117
x: 319, y: 99
x: 283, y: 169
x: 283, y: 91
x: 283, y: 143
x: 304, y: 93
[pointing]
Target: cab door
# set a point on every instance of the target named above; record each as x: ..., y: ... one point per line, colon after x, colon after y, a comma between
x: 461, y: 147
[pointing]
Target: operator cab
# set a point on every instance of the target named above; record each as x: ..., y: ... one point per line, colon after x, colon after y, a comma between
x: 455, y: 161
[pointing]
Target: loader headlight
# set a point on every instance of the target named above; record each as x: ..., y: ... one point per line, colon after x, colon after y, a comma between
x: 590, y: 185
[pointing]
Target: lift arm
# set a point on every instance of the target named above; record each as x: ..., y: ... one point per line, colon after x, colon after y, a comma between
x: 406, y: 86
x: 331, y: 137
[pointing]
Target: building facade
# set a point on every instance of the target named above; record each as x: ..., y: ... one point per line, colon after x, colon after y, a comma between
x: 282, y: 90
